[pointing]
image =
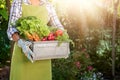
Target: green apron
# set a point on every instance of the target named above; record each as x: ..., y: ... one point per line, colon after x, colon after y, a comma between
x: 21, y: 67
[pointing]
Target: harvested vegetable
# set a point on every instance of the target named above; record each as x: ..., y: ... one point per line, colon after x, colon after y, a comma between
x: 34, y: 29
x: 29, y: 36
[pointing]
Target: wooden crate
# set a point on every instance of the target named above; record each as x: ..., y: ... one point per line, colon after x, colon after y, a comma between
x: 50, y: 50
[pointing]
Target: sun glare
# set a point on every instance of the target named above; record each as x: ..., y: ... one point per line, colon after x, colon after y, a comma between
x: 82, y: 3
x: 88, y: 6
x: 84, y: 10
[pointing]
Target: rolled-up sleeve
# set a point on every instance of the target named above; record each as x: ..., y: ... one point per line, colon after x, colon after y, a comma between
x: 15, y: 13
x: 54, y: 20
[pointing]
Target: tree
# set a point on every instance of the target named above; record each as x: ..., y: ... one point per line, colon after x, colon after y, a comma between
x: 8, y: 5
x: 115, y: 5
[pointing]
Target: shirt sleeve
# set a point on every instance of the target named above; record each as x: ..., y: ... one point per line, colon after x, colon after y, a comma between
x: 15, y: 13
x: 54, y: 20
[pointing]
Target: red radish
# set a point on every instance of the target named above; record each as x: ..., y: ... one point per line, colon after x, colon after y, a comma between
x: 51, y: 36
x: 44, y: 39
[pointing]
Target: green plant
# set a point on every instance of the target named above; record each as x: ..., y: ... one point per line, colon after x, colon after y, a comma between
x: 4, y: 42
x: 73, y: 67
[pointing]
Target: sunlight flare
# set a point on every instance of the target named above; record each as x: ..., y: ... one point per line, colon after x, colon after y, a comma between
x: 87, y: 12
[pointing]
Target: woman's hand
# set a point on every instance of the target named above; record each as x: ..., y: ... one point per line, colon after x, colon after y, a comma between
x: 15, y: 37
x: 25, y: 45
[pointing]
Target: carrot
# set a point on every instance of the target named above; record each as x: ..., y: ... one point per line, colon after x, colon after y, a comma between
x: 29, y: 36
x: 36, y: 37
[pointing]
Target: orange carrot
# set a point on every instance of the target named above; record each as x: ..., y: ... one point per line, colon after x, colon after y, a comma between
x: 36, y: 37
x: 29, y: 36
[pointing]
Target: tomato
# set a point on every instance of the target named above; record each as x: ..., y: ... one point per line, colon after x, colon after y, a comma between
x: 59, y: 33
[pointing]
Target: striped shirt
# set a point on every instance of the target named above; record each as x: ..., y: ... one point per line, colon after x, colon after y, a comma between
x: 16, y: 13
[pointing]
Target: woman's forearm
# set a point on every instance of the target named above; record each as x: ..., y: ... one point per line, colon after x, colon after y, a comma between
x: 15, y: 14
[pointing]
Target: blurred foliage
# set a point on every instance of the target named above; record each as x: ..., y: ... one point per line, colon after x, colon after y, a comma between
x: 91, y: 32
x: 73, y: 67
x: 4, y: 42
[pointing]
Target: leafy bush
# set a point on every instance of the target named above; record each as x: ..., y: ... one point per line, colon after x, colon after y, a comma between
x: 76, y: 67
x: 92, y: 33
x: 4, y: 42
